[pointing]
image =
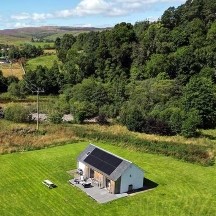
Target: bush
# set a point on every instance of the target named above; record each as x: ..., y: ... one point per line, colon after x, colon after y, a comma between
x: 15, y: 90
x: 17, y: 113
x: 156, y: 126
x: 191, y: 123
x: 132, y: 119
x: 82, y: 111
x: 55, y: 117
x: 6, y: 96
x: 102, y: 119
x: 62, y: 105
x: 176, y: 120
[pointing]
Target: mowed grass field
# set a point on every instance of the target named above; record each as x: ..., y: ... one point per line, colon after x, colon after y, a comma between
x: 183, y: 188
x: 45, y: 60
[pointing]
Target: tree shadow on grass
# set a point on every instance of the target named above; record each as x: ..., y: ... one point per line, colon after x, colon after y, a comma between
x: 147, y: 185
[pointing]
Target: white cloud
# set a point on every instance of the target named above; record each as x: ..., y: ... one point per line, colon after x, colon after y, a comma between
x: 22, y: 16
x: 17, y: 24
x: 34, y: 16
x: 63, y: 13
x: 20, y: 25
x: 41, y: 16
x: 92, y: 7
x: 83, y: 25
x: 96, y: 7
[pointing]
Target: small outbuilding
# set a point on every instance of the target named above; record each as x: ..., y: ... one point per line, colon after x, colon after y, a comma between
x: 110, y: 171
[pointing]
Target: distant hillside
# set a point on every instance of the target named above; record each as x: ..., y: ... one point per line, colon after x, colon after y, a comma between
x: 45, y: 31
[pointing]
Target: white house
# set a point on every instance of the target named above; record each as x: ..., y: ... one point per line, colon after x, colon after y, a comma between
x: 109, y: 171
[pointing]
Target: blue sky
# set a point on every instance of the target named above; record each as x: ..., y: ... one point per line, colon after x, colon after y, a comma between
x: 95, y: 13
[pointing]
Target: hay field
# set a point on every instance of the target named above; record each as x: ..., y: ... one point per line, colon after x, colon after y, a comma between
x: 12, y: 70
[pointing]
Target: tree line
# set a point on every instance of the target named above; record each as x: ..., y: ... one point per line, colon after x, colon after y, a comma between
x: 14, y: 53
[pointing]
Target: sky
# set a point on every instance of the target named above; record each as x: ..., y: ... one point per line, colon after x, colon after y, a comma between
x: 80, y: 13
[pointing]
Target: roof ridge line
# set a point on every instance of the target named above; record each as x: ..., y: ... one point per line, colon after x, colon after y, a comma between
x: 110, y: 153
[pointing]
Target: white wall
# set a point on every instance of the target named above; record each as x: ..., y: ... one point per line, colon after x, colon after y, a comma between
x: 132, y: 176
x: 81, y: 165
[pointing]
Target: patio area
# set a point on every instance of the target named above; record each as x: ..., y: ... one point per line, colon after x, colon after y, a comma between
x: 101, y: 195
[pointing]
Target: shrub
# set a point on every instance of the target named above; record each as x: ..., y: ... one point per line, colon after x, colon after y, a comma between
x: 134, y: 120
x: 62, y: 105
x: 6, y: 96
x: 102, y: 119
x: 82, y: 111
x: 191, y: 123
x: 15, y: 90
x: 55, y: 117
x: 17, y: 113
x: 176, y: 120
x: 156, y: 126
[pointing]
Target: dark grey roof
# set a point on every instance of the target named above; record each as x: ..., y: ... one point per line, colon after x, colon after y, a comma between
x: 104, y: 162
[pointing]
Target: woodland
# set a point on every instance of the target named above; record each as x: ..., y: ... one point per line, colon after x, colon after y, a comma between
x: 153, y: 77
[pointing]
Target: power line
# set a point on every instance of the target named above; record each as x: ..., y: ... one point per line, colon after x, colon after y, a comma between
x: 37, y: 90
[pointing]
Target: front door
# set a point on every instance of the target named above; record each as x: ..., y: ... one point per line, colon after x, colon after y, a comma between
x: 108, y: 184
x: 91, y: 173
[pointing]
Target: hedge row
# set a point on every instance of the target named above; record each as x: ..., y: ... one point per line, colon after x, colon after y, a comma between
x: 188, y: 152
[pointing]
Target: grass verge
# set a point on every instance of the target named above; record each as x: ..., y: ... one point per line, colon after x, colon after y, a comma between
x: 22, y: 137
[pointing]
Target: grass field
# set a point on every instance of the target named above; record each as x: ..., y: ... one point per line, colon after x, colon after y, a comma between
x: 61, y: 34
x: 52, y: 51
x: 12, y: 40
x: 183, y: 188
x: 46, y: 60
x: 41, y: 44
x: 14, y: 69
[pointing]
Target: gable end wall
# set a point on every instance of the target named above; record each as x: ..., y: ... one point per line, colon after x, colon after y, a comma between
x: 132, y: 176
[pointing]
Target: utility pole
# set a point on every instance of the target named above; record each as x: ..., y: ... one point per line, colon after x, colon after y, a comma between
x: 38, y: 91
x: 37, y: 111
x: 11, y: 68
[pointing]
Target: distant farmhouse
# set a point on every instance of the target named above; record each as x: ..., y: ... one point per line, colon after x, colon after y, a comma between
x: 114, y: 173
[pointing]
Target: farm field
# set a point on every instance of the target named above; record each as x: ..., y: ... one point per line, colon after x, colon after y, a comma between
x: 12, y: 70
x: 183, y: 188
x: 37, y: 44
x: 46, y: 60
x: 12, y: 40
x: 52, y: 51
x: 61, y: 34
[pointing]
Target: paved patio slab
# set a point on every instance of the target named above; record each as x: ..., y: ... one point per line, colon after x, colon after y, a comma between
x: 101, y: 195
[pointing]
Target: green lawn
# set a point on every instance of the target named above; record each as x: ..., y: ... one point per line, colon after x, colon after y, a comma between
x: 46, y: 60
x: 184, y: 189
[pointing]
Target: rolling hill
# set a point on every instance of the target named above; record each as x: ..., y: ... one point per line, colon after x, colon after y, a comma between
x: 43, y: 32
